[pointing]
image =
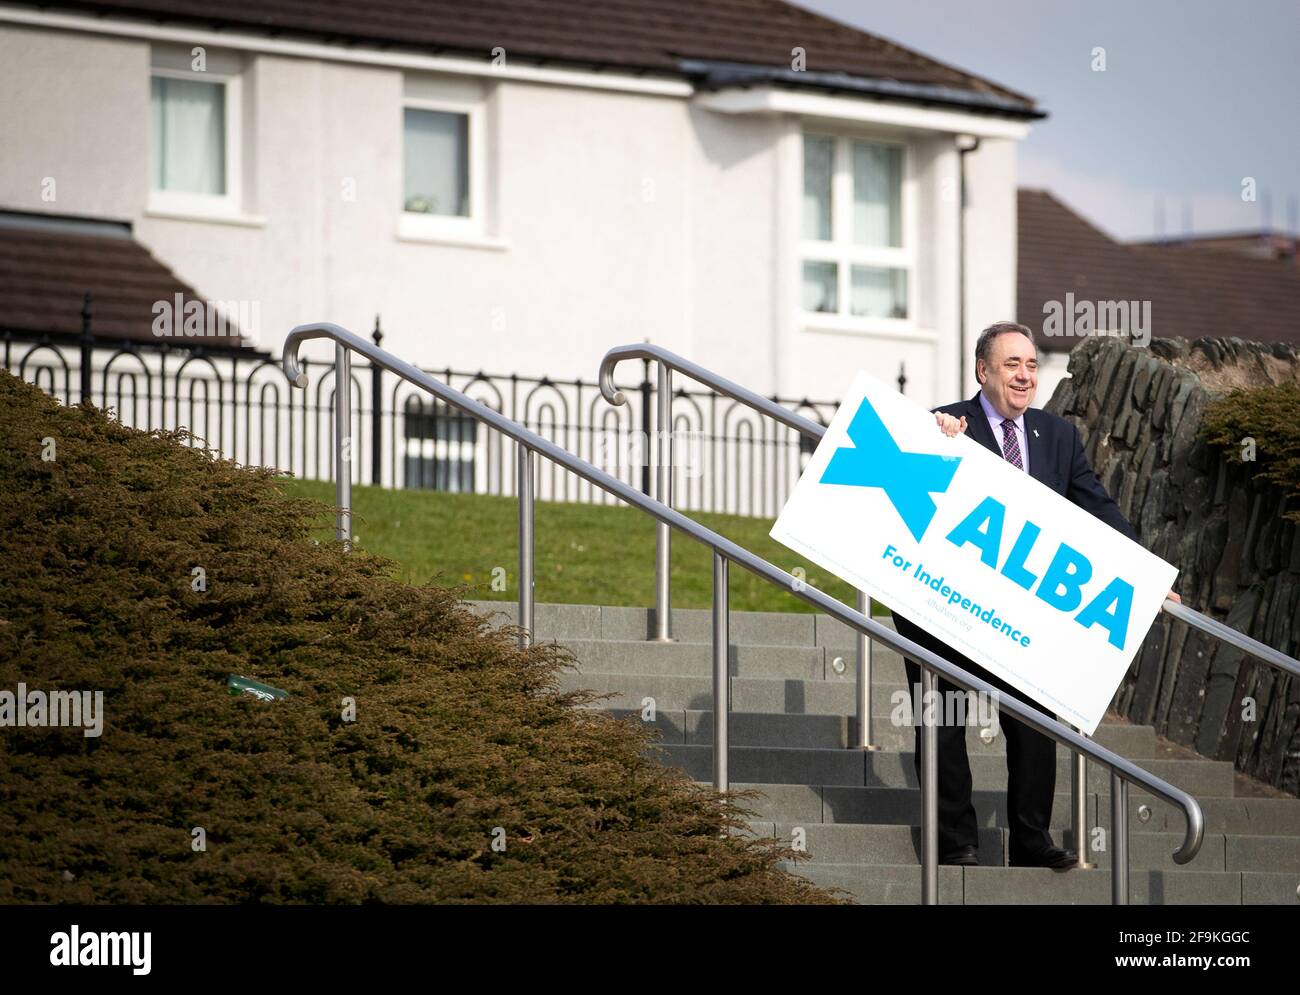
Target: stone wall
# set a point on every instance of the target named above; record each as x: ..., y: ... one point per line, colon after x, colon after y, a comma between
x: 1140, y: 412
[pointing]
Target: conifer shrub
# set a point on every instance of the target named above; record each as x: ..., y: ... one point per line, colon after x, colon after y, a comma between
x: 1261, y: 424
x: 138, y: 565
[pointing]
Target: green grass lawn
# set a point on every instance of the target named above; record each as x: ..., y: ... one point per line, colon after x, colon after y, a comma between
x: 584, y: 554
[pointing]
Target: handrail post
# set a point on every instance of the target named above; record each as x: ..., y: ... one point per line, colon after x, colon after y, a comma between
x: 865, y: 647
x: 664, y: 494
x: 1119, y: 840
x: 377, y: 415
x: 929, y: 789
x: 343, y: 442
x: 525, y: 474
x: 721, y: 675
x: 1079, y: 803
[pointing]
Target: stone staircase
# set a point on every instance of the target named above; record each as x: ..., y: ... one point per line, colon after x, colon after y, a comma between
x: 858, y: 812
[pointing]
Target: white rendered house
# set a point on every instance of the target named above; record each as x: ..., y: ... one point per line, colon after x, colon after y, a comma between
x: 777, y: 196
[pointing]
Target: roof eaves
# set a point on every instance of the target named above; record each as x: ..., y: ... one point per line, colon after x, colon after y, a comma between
x: 67, y: 225
x: 711, y: 75
x: 239, y: 32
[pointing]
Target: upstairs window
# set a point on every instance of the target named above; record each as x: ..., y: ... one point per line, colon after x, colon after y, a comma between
x: 436, y: 162
x: 189, y: 136
x: 194, y: 132
x: 444, y: 182
x: 856, y: 264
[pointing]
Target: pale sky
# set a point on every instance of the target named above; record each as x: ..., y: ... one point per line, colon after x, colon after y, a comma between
x: 1196, y: 96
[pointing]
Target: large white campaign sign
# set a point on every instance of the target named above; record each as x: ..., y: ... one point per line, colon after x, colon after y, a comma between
x: 992, y: 562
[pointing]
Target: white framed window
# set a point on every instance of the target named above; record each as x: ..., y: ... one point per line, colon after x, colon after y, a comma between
x: 194, y: 138
x: 435, y: 162
x: 443, y: 183
x: 857, y: 253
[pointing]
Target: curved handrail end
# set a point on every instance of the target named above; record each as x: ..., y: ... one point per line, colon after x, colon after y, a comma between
x: 300, y: 334
x: 1194, y: 833
x: 606, y: 376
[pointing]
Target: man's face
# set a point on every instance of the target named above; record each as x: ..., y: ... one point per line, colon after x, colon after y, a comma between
x: 1010, y: 377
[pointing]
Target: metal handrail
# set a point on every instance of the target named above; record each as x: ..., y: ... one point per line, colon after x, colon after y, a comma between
x: 669, y: 361
x: 1227, y: 634
x: 707, y: 377
x: 1123, y: 772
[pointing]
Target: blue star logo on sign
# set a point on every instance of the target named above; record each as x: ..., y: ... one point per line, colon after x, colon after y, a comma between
x: 874, y: 460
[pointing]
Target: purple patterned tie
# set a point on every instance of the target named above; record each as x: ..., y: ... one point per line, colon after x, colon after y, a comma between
x: 1011, y: 444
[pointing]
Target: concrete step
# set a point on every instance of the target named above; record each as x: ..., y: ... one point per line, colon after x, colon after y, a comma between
x: 694, y: 725
x: 845, y: 803
x: 748, y: 694
x: 901, y: 885
x: 841, y: 803
x: 1269, y: 888
x: 807, y: 663
x: 833, y: 701
x: 1271, y: 854
x: 798, y: 765
x: 1235, y: 816
x: 612, y: 656
x: 859, y: 843
x: 889, y: 700
x: 1041, y: 886
x: 891, y: 703
x: 848, y: 843
x: 564, y: 622
x: 790, y: 696
x: 879, y: 884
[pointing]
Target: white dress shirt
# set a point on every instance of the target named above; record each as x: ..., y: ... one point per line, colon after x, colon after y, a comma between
x: 995, y: 423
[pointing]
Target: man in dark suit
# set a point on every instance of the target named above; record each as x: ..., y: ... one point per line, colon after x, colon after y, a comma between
x: 1001, y: 419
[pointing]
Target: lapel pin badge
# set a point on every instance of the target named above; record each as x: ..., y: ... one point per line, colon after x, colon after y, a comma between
x: 1035, y: 433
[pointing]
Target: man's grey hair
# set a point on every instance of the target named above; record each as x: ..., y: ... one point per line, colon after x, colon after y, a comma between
x: 985, y: 341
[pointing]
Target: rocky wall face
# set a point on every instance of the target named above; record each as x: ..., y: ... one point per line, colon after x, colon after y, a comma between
x: 1139, y: 412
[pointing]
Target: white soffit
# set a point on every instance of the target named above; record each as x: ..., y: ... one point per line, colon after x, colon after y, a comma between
x: 771, y: 100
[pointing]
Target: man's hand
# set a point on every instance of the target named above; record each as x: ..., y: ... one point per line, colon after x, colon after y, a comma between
x: 1173, y: 596
x: 950, y: 425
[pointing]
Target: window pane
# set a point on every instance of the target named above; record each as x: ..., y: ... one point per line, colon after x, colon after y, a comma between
x: 820, y: 287
x: 436, y: 159
x: 877, y: 194
x: 818, y: 160
x: 878, y: 293
x: 189, y: 135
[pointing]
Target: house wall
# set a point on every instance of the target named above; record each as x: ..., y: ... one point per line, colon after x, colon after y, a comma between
x: 990, y: 247
x: 614, y: 217
x: 74, y: 111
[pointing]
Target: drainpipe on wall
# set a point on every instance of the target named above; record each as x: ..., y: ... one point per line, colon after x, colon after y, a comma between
x: 966, y: 144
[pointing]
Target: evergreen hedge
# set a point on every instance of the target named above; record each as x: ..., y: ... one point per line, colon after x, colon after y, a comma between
x: 457, y: 730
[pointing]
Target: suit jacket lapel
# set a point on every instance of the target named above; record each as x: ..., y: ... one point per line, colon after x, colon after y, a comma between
x: 977, y: 426
x: 1034, y: 445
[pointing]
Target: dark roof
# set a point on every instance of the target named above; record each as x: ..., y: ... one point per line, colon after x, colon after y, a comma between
x: 1231, y: 294
x: 1260, y: 242
x: 1194, y: 292
x: 49, y: 264
x: 653, y: 36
